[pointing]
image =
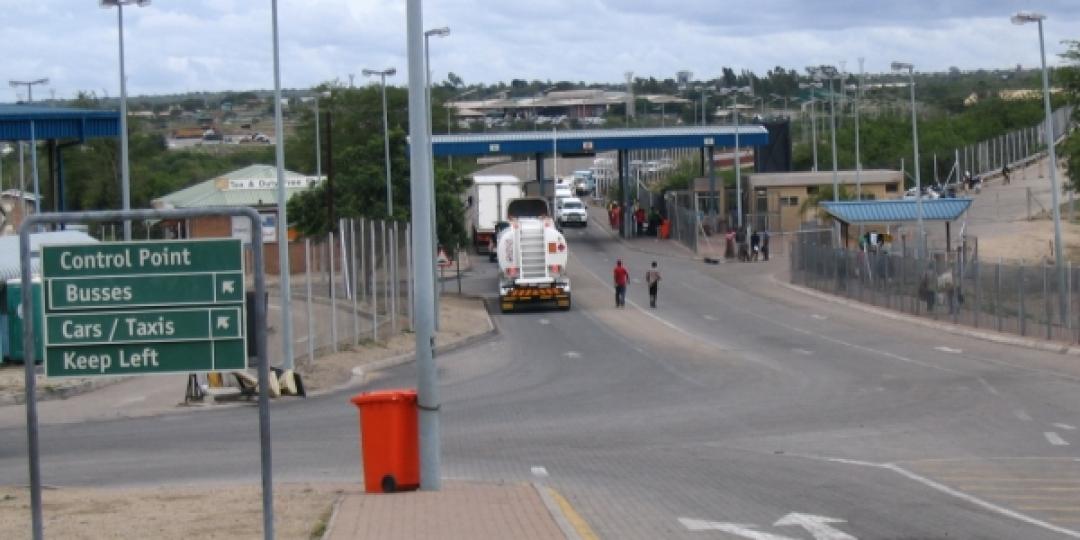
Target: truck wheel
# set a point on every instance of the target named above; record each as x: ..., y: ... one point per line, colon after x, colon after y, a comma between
x: 567, y: 306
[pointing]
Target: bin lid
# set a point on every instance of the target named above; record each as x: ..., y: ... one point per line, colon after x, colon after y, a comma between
x: 383, y: 396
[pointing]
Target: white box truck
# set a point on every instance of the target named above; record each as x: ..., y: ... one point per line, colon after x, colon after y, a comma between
x: 489, y: 196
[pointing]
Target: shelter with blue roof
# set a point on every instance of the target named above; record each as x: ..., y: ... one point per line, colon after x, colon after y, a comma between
x: 902, y: 211
x: 58, y: 128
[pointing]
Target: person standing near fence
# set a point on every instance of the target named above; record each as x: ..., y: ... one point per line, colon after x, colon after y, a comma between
x: 927, y: 290
x: 652, y: 278
x: 621, y: 278
x: 765, y: 245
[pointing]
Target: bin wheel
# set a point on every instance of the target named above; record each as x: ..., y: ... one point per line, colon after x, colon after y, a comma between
x: 389, y: 485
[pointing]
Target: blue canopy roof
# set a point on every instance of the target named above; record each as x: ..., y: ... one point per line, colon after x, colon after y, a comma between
x: 897, y: 210
x: 596, y: 140
x: 56, y: 123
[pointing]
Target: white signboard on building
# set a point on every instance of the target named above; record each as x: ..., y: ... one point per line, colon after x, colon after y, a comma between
x: 294, y: 182
x: 241, y: 228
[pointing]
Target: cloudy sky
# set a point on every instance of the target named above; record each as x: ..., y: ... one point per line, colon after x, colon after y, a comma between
x: 188, y: 45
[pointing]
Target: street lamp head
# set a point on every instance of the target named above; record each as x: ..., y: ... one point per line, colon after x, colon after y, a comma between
x: 106, y: 4
x: 439, y: 32
x: 383, y: 72
x: 902, y: 66
x: 1025, y: 17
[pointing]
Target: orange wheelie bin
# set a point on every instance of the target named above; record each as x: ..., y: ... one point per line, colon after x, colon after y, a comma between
x: 389, y: 440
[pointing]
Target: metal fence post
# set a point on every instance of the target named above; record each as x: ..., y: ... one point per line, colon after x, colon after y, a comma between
x: 976, y: 293
x: 363, y: 262
x: 409, y: 274
x: 374, y: 286
x: 333, y: 295
x: 386, y: 269
x: 355, y: 284
x: 310, y: 316
x: 393, y: 277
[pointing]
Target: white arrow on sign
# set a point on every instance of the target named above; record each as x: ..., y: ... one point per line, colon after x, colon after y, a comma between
x: 227, y: 287
x: 744, y: 530
x: 818, y: 526
x: 223, y: 322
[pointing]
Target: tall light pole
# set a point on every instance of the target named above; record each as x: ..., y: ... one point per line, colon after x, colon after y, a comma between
x: 1059, y: 247
x: 383, y: 74
x: 920, y: 246
x: 33, y: 143
x: 437, y: 32
x: 736, y: 162
x: 858, y: 151
x: 813, y: 117
x: 125, y: 170
x: 423, y: 243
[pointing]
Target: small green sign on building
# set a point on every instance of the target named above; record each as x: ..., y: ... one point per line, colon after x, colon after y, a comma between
x: 133, y: 308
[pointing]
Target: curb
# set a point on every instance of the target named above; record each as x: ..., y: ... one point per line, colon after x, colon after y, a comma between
x: 949, y: 327
x: 61, y: 393
x: 333, y: 517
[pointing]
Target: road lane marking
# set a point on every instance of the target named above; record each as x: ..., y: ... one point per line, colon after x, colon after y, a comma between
x: 818, y: 526
x: 710, y: 317
x: 819, y: 317
x: 581, y: 527
x: 1023, y: 415
x: 1055, y: 439
x: 989, y: 387
x: 949, y: 350
x: 571, y: 354
x: 961, y: 495
x: 745, y: 530
x: 1066, y: 427
x: 544, y: 322
x: 539, y: 472
x: 803, y: 351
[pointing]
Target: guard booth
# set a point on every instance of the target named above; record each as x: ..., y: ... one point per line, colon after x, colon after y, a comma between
x: 11, y: 315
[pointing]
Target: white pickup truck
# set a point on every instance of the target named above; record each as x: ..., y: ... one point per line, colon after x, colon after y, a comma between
x: 571, y: 211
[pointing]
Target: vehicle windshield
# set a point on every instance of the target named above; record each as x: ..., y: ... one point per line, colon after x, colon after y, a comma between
x: 573, y: 205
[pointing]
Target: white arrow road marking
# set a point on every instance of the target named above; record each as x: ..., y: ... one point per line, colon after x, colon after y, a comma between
x: 948, y: 350
x: 738, y: 529
x: 1055, y: 439
x: 539, y: 472
x: 818, y: 526
x: 1066, y: 427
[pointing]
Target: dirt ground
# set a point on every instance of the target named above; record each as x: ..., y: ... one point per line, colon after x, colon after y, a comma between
x: 1028, y: 240
x: 167, y: 513
x: 459, y: 319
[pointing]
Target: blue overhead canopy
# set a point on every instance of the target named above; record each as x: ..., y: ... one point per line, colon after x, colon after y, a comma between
x: 596, y: 140
x: 897, y: 210
x: 56, y: 123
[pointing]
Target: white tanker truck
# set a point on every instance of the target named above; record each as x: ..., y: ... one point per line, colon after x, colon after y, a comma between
x: 532, y: 258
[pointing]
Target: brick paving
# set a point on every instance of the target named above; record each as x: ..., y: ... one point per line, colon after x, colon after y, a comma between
x: 460, y: 510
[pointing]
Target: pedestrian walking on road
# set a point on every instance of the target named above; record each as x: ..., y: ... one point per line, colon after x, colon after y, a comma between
x: 1005, y: 173
x: 621, y: 278
x: 652, y: 277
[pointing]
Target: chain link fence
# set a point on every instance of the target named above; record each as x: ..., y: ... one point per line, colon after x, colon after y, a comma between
x: 1017, y: 298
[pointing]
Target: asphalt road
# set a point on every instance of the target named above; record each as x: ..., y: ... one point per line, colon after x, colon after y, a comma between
x: 738, y: 407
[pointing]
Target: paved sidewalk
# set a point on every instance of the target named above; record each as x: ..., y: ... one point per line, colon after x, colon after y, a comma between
x: 461, y: 510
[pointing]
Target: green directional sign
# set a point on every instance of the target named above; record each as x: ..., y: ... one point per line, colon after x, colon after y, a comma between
x: 139, y: 291
x: 144, y: 326
x: 142, y: 258
x: 134, y: 308
x: 145, y: 358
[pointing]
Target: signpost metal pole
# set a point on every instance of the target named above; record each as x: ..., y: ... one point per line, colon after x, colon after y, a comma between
x: 30, y: 224
x: 333, y: 295
x: 310, y: 315
x: 282, y: 219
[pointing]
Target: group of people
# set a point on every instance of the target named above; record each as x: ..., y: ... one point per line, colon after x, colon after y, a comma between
x: 736, y: 240
x: 645, y: 223
x: 622, y: 278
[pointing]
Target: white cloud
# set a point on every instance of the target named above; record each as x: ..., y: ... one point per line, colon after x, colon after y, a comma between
x: 182, y: 45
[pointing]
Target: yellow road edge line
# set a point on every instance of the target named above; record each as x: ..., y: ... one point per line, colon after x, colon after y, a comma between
x: 582, y: 527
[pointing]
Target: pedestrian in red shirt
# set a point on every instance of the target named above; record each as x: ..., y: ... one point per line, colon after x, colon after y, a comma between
x: 639, y: 218
x: 621, y: 277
